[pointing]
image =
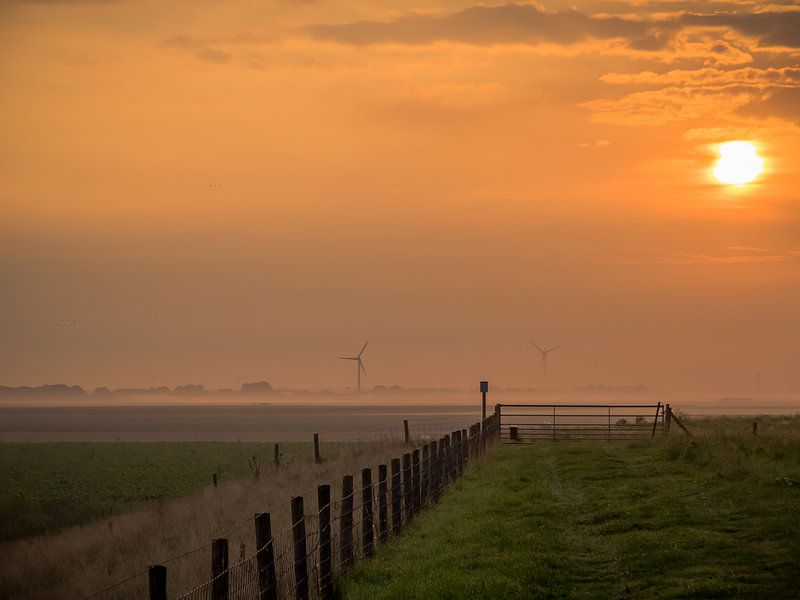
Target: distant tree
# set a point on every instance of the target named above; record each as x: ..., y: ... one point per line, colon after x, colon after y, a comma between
x: 61, y: 389
x: 259, y: 387
x: 102, y: 391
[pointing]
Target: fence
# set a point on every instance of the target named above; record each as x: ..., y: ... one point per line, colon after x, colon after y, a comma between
x: 582, y: 422
x: 346, y: 525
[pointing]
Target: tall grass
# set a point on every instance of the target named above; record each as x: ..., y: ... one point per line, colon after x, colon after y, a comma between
x: 81, y: 560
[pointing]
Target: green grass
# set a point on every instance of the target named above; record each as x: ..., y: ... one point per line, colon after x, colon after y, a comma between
x: 48, y: 486
x: 707, y: 517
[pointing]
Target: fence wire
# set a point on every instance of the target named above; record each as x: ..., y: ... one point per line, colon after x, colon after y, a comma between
x: 354, y: 527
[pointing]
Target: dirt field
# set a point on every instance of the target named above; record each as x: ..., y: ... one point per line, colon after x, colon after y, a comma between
x: 296, y: 420
x: 252, y: 423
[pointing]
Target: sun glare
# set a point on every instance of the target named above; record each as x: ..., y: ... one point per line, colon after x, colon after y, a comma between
x: 738, y: 163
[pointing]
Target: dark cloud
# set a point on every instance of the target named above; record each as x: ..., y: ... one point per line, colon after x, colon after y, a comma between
x: 485, y: 25
x: 527, y: 24
x: 772, y: 28
x: 782, y: 103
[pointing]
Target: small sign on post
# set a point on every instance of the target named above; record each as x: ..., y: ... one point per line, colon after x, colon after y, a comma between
x: 484, y: 391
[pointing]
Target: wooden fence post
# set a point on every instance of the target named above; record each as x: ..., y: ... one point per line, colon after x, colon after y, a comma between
x: 395, y: 496
x: 454, y: 462
x: 367, y: 531
x: 755, y: 427
x: 265, y: 558
x: 459, y: 454
x: 157, y: 582
x: 471, y: 438
x: 219, y: 569
x: 426, y: 474
x: 456, y: 453
x: 346, y: 524
x: 214, y: 479
x: 317, y: 457
x: 300, y: 552
x: 655, y: 419
x: 464, y: 448
x: 405, y: 431
x: 514, y: 433
x: 325, y: 550
x: 416, y: 488
x: 447, y: 467
x: 433, y: 473
x: 383, y: 516
x: 407, y: 487
x: 277, y: 458
x: 444, y: 452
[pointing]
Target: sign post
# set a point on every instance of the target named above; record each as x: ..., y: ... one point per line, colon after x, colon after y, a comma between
x: 484, y: 390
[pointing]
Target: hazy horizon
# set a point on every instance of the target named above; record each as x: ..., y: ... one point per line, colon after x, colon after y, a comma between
x: 223, y: 192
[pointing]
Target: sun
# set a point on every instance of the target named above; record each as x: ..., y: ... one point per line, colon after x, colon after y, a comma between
x: 738, y: 163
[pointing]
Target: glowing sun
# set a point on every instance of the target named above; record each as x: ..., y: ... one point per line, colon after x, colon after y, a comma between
x: 738, y: 163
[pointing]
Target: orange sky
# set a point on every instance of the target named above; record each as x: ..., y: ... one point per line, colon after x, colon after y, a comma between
x: 221, y: 192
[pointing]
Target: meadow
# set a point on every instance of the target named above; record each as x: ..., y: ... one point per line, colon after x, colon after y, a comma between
x: 716, y: 515
x: 49, y: 486
x: 74, y: 562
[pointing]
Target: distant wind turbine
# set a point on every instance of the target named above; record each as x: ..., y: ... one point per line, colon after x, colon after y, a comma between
x: 544, y: 354
x: 359, y: 364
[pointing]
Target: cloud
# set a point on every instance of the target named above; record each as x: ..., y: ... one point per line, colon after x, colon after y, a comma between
x: 485, y: 25
x: 529, y: 24
x: 667, y: 105
x: 757, y: 78
x: 594, y: 144
x: 783, y: 103
x: 200, y: 49
x: 684, y: 94
x: 781, y: 28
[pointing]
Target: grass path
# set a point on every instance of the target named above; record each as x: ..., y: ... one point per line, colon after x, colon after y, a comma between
x: 680, y: 519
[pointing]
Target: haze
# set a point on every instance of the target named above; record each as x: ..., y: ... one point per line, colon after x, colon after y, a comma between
x: 221, y: 192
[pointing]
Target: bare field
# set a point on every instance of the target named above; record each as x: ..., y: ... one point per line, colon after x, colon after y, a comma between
x: 201, y: 419
x: 239, y: 422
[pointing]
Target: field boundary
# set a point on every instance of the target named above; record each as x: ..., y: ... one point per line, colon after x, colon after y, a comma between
x: 582, y: 422
x: 302, y: 561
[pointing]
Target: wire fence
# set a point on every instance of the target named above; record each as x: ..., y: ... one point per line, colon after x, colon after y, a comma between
x: 331, y: 528
x: 581, y: 422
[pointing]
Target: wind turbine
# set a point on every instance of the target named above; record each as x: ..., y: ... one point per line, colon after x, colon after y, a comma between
x: 359, y: 364
x: 544, y: 354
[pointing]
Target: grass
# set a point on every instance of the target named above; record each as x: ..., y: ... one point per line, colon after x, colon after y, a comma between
x: 80, y: 560
x: 49, y: 486
x: 713, y: 516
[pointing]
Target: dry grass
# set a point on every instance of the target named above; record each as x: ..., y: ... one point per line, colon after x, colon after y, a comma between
x: 82, y: 560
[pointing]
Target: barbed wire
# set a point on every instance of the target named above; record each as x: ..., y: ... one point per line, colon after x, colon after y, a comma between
x: 440, y: 470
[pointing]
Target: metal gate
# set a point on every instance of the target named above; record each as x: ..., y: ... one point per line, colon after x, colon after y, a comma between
x: 580, y: 422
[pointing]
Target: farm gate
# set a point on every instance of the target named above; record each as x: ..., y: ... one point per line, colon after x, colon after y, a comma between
x: 581, y: 422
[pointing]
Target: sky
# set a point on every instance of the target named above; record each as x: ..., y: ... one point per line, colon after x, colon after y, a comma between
x: 226, y: 191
